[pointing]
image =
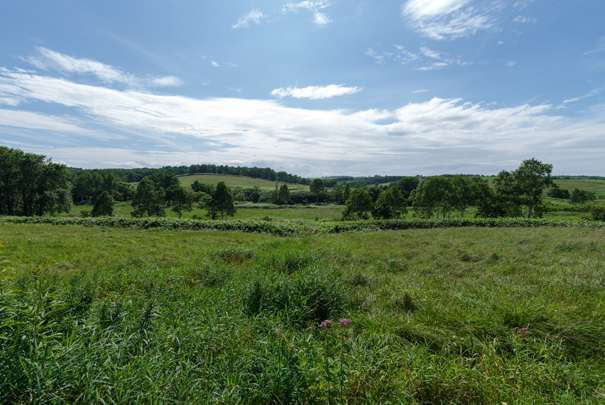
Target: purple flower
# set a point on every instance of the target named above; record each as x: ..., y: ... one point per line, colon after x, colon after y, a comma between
x: 522, y: 331
x: 345, y: 322
x: 325, y: 324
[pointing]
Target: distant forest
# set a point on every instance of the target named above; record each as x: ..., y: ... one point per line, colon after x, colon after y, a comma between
x: 136, y: 175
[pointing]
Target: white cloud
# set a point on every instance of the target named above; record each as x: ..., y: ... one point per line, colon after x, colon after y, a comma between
x: 315, y: 92
x: 445, y: 19
x: 524, y: 20
x: 430, y: 137
x: 419, y: 91
x: 589, y: 94
x: 213, y: 63
x: 511, y: 64
x: 231, y: 64
x: 51, y: 60
x: 254, y: 16
x: 319, y: 18
x: 430, y: 53
x: 500, y: 42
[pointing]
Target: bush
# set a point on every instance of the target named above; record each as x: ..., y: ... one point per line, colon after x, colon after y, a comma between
x: 597, y: 211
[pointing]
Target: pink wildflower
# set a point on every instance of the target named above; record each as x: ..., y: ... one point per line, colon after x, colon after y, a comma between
x: 325, y: 324
x: 345, y: 322
x: 522, y: 331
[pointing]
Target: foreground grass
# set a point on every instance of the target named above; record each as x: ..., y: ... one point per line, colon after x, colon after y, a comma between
x: 439, y: 316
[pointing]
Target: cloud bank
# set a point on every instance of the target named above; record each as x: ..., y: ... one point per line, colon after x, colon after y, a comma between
x: 430, y: 137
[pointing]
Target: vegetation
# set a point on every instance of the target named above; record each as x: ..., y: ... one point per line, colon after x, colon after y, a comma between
x: 421, y: 316
x: 103, y: 206
x: 30, y: 184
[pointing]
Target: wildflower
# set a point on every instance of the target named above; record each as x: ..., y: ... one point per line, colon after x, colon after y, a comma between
x: 325, y: 324
x: 522, y: 331
x: 345, y: 322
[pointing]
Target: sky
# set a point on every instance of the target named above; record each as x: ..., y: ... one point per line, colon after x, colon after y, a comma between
x: 314, y: 87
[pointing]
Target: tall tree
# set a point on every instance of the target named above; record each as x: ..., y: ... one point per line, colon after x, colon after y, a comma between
x: 103, y: 206
x: 180, y: 199
x: 220, y: 202
x: 390, y: 204
x: 317, y: 186
x: 358, y: 205
x: 532, y: 178
x: 148, y: 199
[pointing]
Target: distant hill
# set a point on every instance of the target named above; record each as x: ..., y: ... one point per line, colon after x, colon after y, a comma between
x: 233, y: 181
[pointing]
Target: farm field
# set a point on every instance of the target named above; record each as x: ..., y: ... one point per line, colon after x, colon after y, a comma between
x: 235, y: 181
x: 438, y: 316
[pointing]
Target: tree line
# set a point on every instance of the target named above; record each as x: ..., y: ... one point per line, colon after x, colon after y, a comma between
x: 31, y: 184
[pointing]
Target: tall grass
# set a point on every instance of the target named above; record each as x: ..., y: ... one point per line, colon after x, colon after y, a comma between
x: 439, y: 316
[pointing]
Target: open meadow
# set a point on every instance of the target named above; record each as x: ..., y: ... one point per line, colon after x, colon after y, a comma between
x: 235, y: 181
x: 435, y: 316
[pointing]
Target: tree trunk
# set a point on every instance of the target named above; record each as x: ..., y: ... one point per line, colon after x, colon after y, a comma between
x: 529, y: 212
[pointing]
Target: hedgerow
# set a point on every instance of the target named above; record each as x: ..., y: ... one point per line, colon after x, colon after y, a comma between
x: 297, y: 228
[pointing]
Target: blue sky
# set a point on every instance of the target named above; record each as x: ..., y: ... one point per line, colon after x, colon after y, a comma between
x: 315, y: 87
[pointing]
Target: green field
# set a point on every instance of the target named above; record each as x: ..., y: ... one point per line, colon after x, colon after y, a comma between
x: 235, y: 181
x: 439, y: 316
x: 598, y: 186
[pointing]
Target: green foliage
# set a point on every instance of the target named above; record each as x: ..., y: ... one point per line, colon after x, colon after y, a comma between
x: 581, y: 196
x: 556, y: 192
x: 317, y: 186
x: 179, y: 198
x: 148, y: 200
x: 443, y: 316
x: 390, y: 205
x: 597, y: 211
x: 30, y: 184
x: 407, y: 185
x: 281, y: 195
x: 103, y: 205
x: 359, y: 205
x: 221, y: 202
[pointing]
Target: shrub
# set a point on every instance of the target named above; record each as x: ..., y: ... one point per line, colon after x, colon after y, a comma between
x: 597, y: 212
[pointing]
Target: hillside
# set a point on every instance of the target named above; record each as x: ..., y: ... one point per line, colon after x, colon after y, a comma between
x: 234, y: 181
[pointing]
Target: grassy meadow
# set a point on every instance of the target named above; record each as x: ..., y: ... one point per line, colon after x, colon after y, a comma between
x: 438, y: 316
x: 235, y: 181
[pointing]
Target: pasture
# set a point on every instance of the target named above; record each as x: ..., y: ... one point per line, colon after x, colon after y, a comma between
x: 438, y: 316
x: 234, y: 181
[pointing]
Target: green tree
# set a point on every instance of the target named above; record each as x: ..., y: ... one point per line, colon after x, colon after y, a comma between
x: 181, y: 200
x: 582, y: 196
x: 103, y: 205
x: 374, y: 192
x: 346, y: 193
x: 390, y: 204
x: 407, y: 185
x: 220, y: 202
x: 317, y: 186
x: 282, y: 195
x: 358, y: 205
x: 148, y: 199
x: 532, y: 178
x: 432, y: 192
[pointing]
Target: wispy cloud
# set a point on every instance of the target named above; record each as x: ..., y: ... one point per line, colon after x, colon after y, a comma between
x: 306, y: 141
x: 589, y: 94
x: 446, y: 19
x: 213, y: 63
x: 50, y: 60
x: 419, y: 91
x: 430, y: 53
x: 319, y: 18
x: 600, y: 46
x: 425, y: 59
x: 315, y: 92
x: 254, y: 16
x: 524, y: 20
x: 510, y: 64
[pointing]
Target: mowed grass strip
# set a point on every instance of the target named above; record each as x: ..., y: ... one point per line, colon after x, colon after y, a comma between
x: 439, y: 316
